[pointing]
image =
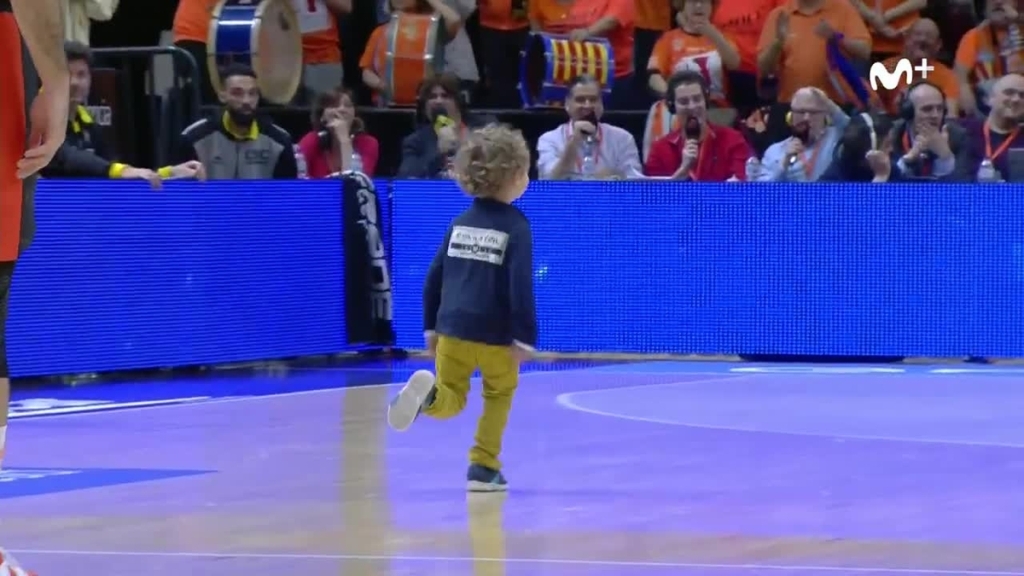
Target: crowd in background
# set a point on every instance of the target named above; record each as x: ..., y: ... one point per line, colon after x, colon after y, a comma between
x: 767, y: 90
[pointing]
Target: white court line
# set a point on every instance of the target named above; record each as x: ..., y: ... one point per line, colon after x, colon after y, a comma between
x: 233, y: 399
x: 542, y: 561
x: 566, y: 401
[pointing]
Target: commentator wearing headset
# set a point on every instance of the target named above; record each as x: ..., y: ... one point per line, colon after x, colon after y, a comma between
x: 817, y: 125
x: 428, y: 152
x: 338, y: 142
x: 924, y: 144
x: 698, y: 151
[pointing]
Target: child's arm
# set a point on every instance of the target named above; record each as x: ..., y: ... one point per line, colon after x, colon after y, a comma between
x: 523, y: 305
x: 432, y: 287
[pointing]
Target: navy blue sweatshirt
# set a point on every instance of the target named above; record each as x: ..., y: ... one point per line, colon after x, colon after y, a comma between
x: 480, y: 285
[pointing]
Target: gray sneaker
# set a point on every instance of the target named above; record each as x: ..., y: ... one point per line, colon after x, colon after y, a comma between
x: 483, y: 479
x: 417, y: 393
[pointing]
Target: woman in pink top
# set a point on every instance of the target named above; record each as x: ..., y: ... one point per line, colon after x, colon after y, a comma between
x: 338, y: 142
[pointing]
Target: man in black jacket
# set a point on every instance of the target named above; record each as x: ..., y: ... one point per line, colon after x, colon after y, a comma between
x: 85, y: 153
x: 429, y: 151
x: 478, y: 303
x: 236, y: 143
x: 925, y: 144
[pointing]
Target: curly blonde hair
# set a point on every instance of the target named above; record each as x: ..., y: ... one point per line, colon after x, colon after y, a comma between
x: 490, y: 160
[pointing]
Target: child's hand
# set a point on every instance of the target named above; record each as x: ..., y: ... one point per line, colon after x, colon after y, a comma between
x: 431, y: 340
x: 521, y: 354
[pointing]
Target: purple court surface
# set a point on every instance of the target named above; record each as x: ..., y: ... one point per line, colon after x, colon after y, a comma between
x: 654, y: 468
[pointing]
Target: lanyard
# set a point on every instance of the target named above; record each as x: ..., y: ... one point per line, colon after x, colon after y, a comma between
x: 597, y: 152
x: 987, y: 131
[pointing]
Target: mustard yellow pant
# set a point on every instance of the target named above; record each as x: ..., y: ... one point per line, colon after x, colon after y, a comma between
x: 455, y: 363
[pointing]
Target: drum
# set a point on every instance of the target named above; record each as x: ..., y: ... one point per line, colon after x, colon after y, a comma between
x: 263, y: 35
x: 549, y: 62
x: 412, y: 49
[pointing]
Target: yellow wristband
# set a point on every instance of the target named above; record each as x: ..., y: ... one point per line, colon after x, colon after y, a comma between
x: 116, y: 170
x: 165, y: 172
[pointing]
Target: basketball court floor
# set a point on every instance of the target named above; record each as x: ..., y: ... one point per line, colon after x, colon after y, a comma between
x: 656, y: 468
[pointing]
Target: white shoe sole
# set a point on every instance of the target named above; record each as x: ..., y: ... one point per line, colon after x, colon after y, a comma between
x: 406, y: 406
x: 474, y: 486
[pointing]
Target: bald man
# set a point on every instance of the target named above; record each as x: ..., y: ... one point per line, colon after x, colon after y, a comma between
x: 922, y: 43
x: 925, y: 143
x: 1001, y: 130
x: 25, y: 149
x: 817, y: 125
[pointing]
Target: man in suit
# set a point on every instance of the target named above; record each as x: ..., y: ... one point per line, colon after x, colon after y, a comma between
x: 925, y: 144
x: 429, y: 151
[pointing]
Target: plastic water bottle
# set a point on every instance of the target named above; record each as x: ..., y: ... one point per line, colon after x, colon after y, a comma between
x: 356, y: 162
x: 588, y: 167
x: 300, y: 163
x: 987, y: 172
x: 753, y: 170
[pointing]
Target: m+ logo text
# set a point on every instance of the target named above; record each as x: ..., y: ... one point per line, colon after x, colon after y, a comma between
x: 879, y: 74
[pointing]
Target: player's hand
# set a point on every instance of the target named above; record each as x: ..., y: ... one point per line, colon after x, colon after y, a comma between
x: 190, y: 169
x: 795, y: 147
x: 48, y: 124
x: 132, y: 173
x: 430, y: 339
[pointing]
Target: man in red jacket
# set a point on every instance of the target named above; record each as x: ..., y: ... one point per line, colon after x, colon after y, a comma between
x: 698, y: 152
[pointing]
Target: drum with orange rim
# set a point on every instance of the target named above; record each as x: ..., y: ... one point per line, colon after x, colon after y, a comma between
x: 410, y: 50
x: 551, y: 61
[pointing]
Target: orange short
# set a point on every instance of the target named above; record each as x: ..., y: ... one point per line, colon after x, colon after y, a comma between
x: 12, y: 135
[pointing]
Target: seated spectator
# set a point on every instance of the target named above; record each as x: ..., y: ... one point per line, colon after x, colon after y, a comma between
x: 925, y: 144
x: 429, y: 151
x: 988, y: 52
x: 816, y: 124
x: 922, y: 43
x: 794, y: 46
x: 338, y: 141
x: 583, y: 147
x: 698, y: 151
x: 1001, y: 130
x: 614, y: 20
x: 863, y: 154
x: 373, y: 62
x: 85, y: 153
x: 695, y: 45
x: 236, y: 143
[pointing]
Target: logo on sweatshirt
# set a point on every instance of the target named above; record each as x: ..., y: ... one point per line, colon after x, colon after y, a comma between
x: 480, y: 244
x: 879, y: 74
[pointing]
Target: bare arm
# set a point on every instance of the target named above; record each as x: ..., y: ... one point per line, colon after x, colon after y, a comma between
x: 339, y: 7
x: 904, y: 8
x: 41, y: 23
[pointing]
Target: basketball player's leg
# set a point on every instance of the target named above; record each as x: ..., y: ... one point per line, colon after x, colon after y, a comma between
x: 440, y: 397
x: 500, y: 371
x: 6, y: 273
